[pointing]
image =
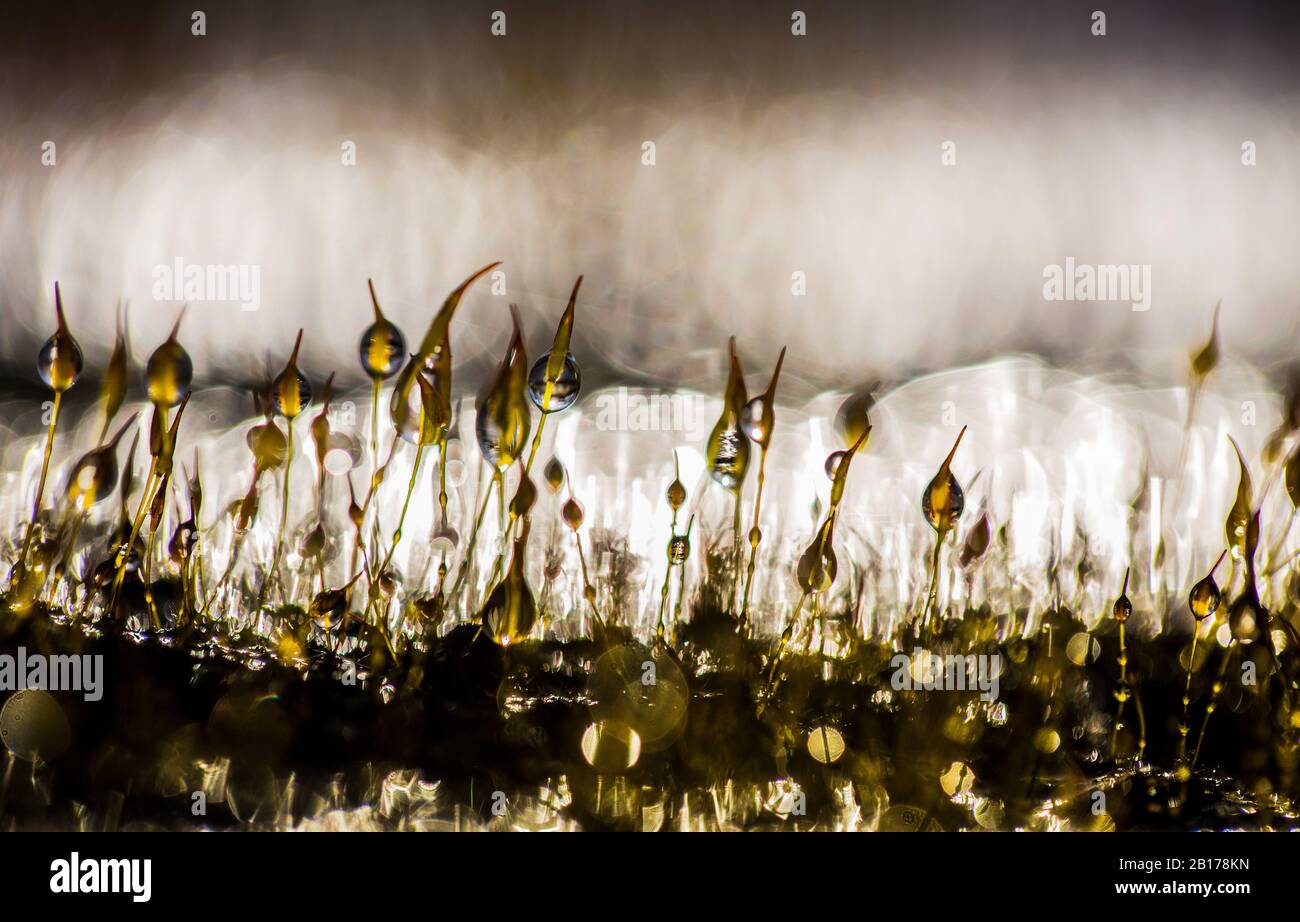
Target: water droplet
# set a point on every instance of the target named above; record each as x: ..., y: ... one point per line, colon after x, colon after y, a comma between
x: 290, y: 391
x: 59, y: 362
x: 679, y: 549
x: 564, y: 390
x: 833, y: 461
x: 170, y: 372
x: 956, y: 502
x: 383, y: 347
x: 943, y: 501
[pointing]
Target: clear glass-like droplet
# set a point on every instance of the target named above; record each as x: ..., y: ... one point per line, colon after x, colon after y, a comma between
x: 290, y: 395
x: 756, y: 420
x: 833, y: 461
x: 169, y: 374
x: 59, y: 362
x: 382, y: 349
x: 564, y: 391
x: 679, y: 548
x: 554, y: 473
x: 955, y: 505
x: 728, y: 457
x: 290, y: 391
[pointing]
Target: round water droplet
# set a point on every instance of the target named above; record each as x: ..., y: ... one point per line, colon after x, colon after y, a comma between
x: 169, y: 374
x: 679, y: 548
x: 563, y: 391
x: 382, y: 349
x: 833, y: 462
x: 956, y: 503
x: 729, y: 458
x: 756, y: 420
x: 1122, y: 609
x: 676, y: 495
x: 59, y: 362
x: 290, y: 394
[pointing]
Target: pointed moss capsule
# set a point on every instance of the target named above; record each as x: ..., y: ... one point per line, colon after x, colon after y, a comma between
x: 59, y: 362
x: 383, y: 347
x: 818, y: 566
x: 1207, y: 358
x: 170, y: 372
x: 290, y: 391
x: 1205, y: 597
x: 554, y: 474
x: 572, y: 513
x: 977, y: 541
x: 676, y: 492
x: 728, y: 446
x: 943, y: 500
x: 112, y: 389
x: 1238, y: 520
x: 524, y: 498
x: 757, y: 417
x: 502, y: 421
x: 433, y: 427
x: 510, y: 612
x: 404, y: 411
